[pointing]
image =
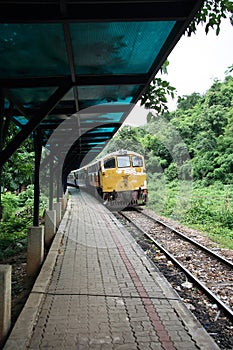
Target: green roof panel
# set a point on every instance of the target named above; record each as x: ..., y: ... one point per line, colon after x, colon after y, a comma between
x: 32, y: 50
x: 117, y: 47
x: 97, y: 95
x: 32, y: 97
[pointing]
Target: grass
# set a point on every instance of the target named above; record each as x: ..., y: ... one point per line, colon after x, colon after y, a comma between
x: 208, y: 209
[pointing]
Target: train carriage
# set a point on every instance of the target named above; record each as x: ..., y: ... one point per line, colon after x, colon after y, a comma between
x: 119, y: 178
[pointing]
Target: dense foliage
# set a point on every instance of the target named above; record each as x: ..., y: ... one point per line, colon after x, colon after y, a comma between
x: 17, y: 217
x: 189, y: 157
x: 18, y: 171
x: 205, y: 125
x: 16, y: 205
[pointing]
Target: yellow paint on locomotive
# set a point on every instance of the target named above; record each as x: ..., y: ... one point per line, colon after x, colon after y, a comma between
x: 127, y: 179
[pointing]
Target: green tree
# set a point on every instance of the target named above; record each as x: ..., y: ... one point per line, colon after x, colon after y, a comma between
x: 155, y: 96
x: 211, y: 14
x: 126, y: 138
x: 19, y: 169
x: 189, y: 101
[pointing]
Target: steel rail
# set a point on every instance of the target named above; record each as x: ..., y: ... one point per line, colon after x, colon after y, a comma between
x: 182, y: 235
x: 227, y: 310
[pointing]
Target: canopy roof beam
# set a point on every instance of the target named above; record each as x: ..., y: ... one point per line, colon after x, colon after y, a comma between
x: 50, y: 11
x: 32, y: 124
x: 83, y: 80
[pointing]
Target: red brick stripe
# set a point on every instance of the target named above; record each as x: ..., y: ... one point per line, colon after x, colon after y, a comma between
x: 157, y: 324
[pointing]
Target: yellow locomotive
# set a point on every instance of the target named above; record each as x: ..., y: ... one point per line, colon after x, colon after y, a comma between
x: 119, y: 178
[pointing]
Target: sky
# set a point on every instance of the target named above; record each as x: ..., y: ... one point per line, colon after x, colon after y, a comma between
x: 194, y: 64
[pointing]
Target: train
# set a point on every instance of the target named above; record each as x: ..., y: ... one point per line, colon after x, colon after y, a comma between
x: 118, y: 179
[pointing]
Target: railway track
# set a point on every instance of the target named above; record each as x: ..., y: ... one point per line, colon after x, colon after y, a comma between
x: 203, y: 267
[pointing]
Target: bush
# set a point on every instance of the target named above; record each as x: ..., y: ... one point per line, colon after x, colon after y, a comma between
x: 13, y: 235
x: 10, y: 203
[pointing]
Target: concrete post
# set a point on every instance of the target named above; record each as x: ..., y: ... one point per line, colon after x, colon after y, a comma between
x: 50, y: 226
x: 35, y: 250
x: 63, y: 201
x: 57, y: 208
x: 5, y: 301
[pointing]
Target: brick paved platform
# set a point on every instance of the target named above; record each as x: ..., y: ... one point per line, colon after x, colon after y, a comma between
x: 97, y: 290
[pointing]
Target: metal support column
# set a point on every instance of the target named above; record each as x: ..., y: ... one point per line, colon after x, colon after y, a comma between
x: 38, y: 150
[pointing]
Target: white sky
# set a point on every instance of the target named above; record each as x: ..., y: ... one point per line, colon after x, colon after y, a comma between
x: 194, y: 63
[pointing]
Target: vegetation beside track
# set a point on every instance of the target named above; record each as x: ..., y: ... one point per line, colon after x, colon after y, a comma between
x: 16, y: 218
x: 207, y: 209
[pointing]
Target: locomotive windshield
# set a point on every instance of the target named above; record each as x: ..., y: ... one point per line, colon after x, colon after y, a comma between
x: 110, y: 163
x: 123, y: 161
x: 137, y: 161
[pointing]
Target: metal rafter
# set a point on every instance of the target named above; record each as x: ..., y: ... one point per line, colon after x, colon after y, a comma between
x: 83, y: 80
x: 33, y: 123
x: 51, y: 11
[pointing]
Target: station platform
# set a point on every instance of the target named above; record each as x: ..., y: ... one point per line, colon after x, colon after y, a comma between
x: 98, y: 290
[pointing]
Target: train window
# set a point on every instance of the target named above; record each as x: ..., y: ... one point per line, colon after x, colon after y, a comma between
x: 137, y: 161
x: 123, y: 161
x: 110, y: 163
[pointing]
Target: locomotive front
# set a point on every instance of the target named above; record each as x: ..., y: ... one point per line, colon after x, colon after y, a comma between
x: 123, y: 178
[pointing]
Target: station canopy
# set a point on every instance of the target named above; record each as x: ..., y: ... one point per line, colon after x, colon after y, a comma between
x: 81, y: 65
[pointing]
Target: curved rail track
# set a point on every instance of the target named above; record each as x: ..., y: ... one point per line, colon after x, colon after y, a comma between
x: 209, y: 271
